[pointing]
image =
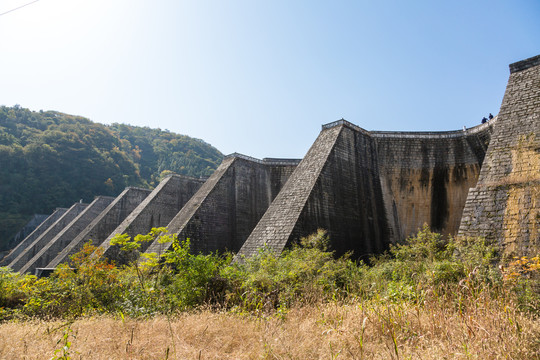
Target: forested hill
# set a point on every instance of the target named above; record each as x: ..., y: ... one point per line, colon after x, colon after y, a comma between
x: 50, y: 159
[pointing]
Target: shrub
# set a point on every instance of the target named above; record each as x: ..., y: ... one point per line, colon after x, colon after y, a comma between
x: 89, y: 286
x: 306, y: 272
x: 175, y: 280
x: 455, y: 271
x: 195, y: 278
x: 522, y: 277
x: 429, y: 262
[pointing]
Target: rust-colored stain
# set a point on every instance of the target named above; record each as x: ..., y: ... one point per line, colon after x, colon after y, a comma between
x: 435, y: 196
x: 522, y: 213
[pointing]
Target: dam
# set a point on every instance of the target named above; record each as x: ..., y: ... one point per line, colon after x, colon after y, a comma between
x: 368, y: 189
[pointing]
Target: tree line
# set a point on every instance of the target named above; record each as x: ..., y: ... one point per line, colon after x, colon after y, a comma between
x: 49, y: 159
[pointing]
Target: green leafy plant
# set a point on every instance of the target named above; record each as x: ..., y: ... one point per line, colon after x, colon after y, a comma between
x: 458, y: 272
x: 64, y: 352
x: 306, y: 272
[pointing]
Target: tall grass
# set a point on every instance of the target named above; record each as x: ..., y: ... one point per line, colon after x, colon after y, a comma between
x: 353, y: 330
x: 429, y: 297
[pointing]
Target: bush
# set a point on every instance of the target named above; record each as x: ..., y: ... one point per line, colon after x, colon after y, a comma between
x: 429, y: 262
x: 454, y: 271
x: 305, y: 273
x: 90, y: 286
x: 196, y: 278
x: 522, y: 277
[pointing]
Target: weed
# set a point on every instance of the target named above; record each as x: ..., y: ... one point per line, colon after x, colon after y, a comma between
x: 64, y: 352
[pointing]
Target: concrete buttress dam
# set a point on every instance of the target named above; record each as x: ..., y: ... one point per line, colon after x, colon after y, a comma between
x: 366, y: 188
x: 29, y: 239
x: 222, y: 214
x: 156, y: 210
x: 104, y: 224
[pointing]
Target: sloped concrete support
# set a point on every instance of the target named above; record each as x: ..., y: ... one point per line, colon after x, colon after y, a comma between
x: 335, y: 187
x: 156, y: 210
x: 504, y: 207
x: 27, y: 229
x: 104, y: 224
x: 64, y: 237
x: 33, y: 236
x: 222, y: 214
x: 32, y: 249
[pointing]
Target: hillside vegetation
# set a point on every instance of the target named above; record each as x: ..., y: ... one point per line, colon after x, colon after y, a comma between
x: 428, y: 298
x: 50, y: 159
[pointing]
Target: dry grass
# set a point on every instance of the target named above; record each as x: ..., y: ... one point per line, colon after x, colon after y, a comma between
x: 487, y: 329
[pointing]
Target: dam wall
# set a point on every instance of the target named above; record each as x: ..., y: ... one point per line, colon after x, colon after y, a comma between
x: 40, y: 229
x: 30, y: 250
x: 368, y: 189
x: 222, y: 214
x: 426, y: 176
x: 104, y: 224
x: 504, y: 207
x: 156, y: 210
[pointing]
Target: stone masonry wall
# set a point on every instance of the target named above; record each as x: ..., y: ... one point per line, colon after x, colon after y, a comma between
x: 505, y: 205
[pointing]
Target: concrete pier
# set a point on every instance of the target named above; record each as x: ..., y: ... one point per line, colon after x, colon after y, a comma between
x: 66, y: 235
x: 51, y: 219
x: 156, y: 210
x: 33, y: 248
x: 105, y: 223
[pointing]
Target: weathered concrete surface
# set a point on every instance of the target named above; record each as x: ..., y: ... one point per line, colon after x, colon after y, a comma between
x: 104, y: 224
x: 335, y: 187
x: 371, y: 188
x: 425, y: 177
x: 33, y: 236
x: 156, y: 210
x: 222, y: 214
x: 31, y: 249
x: 67, y: 234
x: 505, y: 204
x: 27, y: 229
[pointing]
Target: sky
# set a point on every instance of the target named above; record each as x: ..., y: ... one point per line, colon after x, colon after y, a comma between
x: 261, y: 77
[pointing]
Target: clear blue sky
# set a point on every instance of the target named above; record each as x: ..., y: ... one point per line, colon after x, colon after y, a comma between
x: 260, y: 77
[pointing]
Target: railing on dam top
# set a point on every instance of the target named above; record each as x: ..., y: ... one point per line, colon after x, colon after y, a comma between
x: 274, y: 161
x: 414, y: 134
x: 434, y: 134
x: 265, y: 161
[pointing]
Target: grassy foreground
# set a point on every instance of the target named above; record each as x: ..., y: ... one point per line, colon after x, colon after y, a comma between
x: 491, y: 330
x: 427, y: 298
